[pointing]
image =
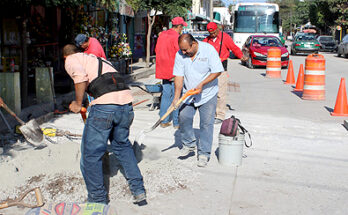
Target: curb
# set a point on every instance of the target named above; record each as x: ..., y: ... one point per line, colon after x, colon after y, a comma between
x: 141, y: 74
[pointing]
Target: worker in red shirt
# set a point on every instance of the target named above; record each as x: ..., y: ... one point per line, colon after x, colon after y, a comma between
x: 166, y: 48
x: 223, y: 44
x: 90, y: 45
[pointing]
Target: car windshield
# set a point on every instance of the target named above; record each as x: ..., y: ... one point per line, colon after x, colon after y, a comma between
x: 267, y: 41
x: 326, y: 39
x: 305, y: 38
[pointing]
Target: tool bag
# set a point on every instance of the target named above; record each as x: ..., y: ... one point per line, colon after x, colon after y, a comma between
x: 107, y: 82
x: 230, y: 127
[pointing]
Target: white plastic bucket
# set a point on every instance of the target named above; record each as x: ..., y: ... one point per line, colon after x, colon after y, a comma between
x: 231, y: 150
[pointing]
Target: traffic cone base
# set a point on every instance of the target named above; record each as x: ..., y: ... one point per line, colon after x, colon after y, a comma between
x: 300, y: 80
x: 341, y: 107
x: 290, y: 78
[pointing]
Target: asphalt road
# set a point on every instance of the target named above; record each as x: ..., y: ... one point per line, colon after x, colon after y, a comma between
x: 258, y: 94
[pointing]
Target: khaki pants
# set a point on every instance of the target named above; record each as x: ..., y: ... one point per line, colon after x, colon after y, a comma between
x: 221, y: 97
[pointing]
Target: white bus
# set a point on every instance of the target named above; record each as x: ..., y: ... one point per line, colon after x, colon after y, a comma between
x: 255, y: 19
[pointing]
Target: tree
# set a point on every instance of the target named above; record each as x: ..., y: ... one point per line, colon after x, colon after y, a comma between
x: 324, y: 14
x: 168, y: 7
x: 340, y: 9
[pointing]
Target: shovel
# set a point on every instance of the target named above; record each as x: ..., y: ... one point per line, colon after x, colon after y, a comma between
x: 30, y: 130
x: 138, y: 148
x: 172, y: 108
x: 18, y: 201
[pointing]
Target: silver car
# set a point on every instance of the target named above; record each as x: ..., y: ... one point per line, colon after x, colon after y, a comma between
x: 343, y: 47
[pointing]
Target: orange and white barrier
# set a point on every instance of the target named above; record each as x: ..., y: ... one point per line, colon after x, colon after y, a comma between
x: 274, y: 63
x: 314, y: 78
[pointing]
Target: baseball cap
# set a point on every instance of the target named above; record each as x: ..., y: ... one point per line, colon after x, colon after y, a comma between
x: 212, y: 26
x: 79, y: 39
x: 179, y: 21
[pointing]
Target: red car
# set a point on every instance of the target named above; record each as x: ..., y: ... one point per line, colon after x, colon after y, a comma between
x: 256, y: 47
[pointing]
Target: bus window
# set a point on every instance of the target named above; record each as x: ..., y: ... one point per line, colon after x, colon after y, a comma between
x: 259, y: 20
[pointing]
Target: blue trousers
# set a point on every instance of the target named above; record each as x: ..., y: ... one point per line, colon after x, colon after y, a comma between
x: 108, y: 122
x: 206, y: 126
x: 166, y: 100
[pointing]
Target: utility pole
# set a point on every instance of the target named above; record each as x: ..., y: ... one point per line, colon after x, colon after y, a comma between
x: 211, y: 10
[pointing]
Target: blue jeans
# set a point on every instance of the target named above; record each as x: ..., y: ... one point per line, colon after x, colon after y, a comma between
x: 206, y: 126
x: 108, y: 122
x: 166, y: 101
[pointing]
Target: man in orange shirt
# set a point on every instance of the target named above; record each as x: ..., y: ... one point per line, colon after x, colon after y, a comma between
x: 166, y: 49
x: 110, y: 118
x: 223, y: 44
x: 90, y: 45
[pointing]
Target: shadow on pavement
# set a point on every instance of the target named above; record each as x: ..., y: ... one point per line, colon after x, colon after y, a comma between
x: 329, y: 109
x: 297, y: 93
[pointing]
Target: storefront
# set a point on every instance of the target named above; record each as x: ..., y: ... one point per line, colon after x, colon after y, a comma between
x: 33, y: 38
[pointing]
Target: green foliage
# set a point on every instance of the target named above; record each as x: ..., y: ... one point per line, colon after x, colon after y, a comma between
x: 325, y: 14
x: 108, y: 4
x: 48, y: 3
x: 340, y: 9
x: 168, y: 7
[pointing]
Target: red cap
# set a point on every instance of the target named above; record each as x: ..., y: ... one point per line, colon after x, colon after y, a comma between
x: 179, y: 21
x: 212, y: 26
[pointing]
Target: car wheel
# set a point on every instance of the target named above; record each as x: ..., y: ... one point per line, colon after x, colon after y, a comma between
x: 292, y: 52
x: 250, y: 63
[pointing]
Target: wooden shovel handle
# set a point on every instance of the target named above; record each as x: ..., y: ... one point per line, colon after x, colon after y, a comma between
x: 3, y: 105
x: 172, y: 108
x: 18, y: 201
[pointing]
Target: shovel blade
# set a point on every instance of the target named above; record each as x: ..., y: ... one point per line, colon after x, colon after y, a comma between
x: 32, y: 132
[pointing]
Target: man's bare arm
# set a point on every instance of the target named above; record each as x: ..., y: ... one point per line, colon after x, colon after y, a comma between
x: 80, y: 89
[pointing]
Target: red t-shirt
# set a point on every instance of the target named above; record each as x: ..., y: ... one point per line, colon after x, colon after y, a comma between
x: 227, y: 46
x: 166, y: 48
x: 95, y: 48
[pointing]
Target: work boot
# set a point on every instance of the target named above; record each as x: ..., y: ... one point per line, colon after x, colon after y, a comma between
x: 140, y: 199
x: 164, y: 125
x: 185, y: 151
x: 202, y: 161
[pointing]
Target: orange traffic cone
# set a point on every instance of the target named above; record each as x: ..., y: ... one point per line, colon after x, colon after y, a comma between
x: 341, y: 107
x: 290, y: 78
x: 300, y: 79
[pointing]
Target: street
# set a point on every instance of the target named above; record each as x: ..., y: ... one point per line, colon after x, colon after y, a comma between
x: 271, y: 96
x: 297, y: 164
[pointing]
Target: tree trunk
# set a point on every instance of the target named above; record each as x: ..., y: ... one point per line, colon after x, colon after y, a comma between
x: 150, y: 22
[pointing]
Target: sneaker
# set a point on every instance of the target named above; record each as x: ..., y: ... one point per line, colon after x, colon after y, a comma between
x: 176, y: 126
x: 164, y: 125
x: 139, y: 198
x: 217, y: 121
x: 202, y: 161
x: 186, y: 151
